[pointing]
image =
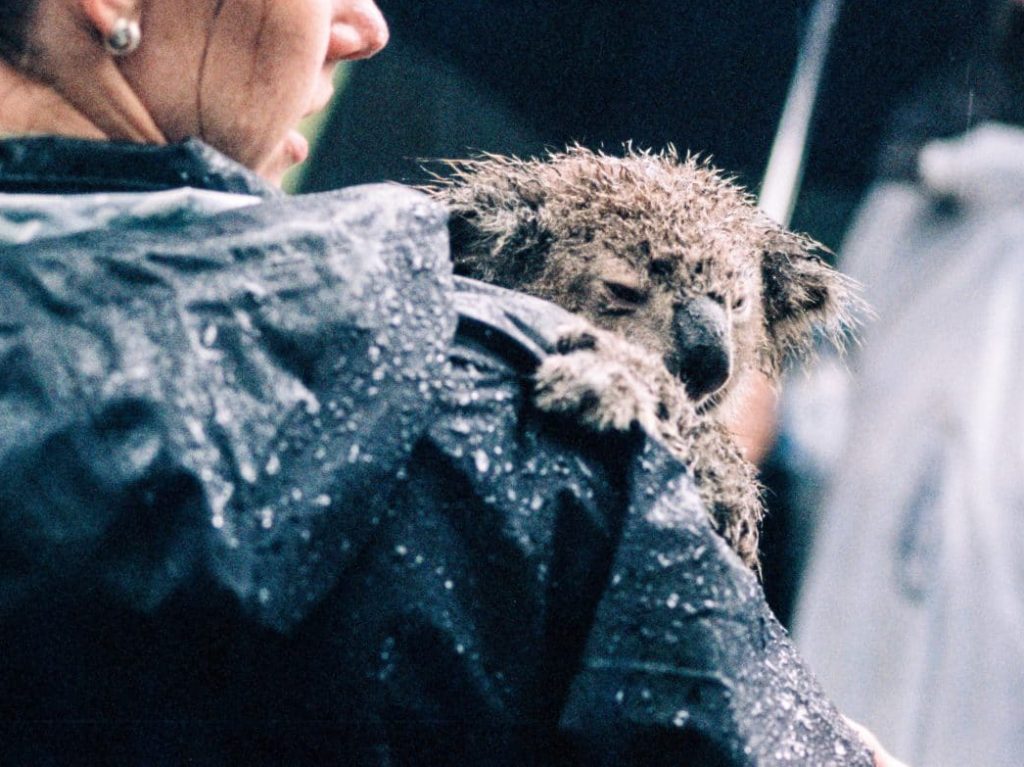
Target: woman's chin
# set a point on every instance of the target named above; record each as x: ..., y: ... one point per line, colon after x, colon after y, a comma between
x: 292, y: 150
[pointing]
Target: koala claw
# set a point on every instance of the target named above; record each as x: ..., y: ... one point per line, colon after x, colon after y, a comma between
x: 603, y: 380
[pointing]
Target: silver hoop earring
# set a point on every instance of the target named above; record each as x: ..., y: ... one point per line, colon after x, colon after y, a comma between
x: 123, y: 38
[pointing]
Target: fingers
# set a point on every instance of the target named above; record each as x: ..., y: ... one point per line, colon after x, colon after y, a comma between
x: 882, y: 757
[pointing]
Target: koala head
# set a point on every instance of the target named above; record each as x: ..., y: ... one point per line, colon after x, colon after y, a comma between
x: 661, y: 249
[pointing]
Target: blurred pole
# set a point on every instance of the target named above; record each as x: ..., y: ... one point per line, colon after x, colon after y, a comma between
x: 755, y: 420
x: 784, y: 174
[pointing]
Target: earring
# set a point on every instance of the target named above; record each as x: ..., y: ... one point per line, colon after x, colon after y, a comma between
x: 123, y: 38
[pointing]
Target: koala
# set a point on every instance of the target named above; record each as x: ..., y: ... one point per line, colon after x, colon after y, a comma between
x: 691, y: 289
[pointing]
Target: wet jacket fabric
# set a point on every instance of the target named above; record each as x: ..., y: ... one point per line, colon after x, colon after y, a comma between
x: 273, y: 492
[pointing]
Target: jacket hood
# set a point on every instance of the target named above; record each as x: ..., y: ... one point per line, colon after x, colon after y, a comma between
x: 243, y: 368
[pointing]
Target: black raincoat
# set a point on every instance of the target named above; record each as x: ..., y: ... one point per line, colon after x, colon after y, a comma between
x: 273, y: 492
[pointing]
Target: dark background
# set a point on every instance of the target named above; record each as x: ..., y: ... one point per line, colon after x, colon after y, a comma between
x: 520, y: 76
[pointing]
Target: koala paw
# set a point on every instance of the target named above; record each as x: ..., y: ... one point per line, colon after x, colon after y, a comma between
x: 603, y: 380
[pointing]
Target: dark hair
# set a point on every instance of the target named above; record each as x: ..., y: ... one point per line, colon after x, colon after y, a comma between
x: 15, y: 19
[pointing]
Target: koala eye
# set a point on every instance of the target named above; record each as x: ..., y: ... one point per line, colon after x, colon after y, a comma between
x: 739, y: 304
x: 630, y: 294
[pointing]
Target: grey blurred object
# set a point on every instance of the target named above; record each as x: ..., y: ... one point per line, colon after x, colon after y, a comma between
x: 784, y: 174
x: 912, y: 612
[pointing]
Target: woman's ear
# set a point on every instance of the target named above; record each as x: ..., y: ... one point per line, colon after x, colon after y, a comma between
x: 804, y: 298
x: 104, y: 15
x: 72, y: 61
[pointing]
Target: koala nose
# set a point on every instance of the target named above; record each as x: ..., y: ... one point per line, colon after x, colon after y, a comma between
x: 702, y: 339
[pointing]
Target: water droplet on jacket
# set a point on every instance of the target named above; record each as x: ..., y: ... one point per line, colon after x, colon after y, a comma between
x: 461, y: 426
x: 353, y: 453
x: 673, y: 601
x: 210, y: 335
x: 482, y: 461
x: 266, y: 517
x: 273, y: 465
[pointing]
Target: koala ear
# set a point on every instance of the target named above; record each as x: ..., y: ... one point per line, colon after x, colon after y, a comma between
x: 804, y: 298
x: 496, y: 222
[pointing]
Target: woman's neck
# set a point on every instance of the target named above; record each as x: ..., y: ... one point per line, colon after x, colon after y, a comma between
x: 28, y: 106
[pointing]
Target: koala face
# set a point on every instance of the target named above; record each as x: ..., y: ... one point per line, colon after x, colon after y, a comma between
x: 674, y: 286
x: 663, y: 250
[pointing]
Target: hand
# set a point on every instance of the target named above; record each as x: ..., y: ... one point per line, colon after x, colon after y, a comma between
x: 754, y: 421
x: 882, y: 757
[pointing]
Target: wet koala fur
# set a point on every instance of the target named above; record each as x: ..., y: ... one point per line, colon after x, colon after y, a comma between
x: 690, y: 286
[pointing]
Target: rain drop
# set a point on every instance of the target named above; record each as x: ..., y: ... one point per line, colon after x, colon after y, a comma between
x: 482, y: 461
x: 210, y: 335
x: 248, y: 472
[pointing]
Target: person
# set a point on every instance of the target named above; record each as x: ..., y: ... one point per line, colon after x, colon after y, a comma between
x: 920, y: 533
x: 274, y: 489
